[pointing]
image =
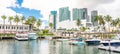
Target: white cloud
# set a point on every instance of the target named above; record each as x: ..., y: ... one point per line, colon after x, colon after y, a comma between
x: 46, y: 6
x: 6, y: 11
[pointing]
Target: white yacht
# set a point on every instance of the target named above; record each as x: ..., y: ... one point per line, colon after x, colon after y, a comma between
x: 21, y: 36
x: 32, y: 36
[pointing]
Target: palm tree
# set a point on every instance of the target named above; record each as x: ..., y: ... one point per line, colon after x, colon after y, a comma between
x: 83, y: 29
x: 4, y: 18
x: 10, y: 18
x: 22, y: 19
x: 100, y: 20
x: 117, y: 23
x: 108, y: 19
x: 51, y: 26
x: 38, y: 23
x: 114, y: 23
x: 30, y: 21
x: 78, y: 22
x: 16, y: 20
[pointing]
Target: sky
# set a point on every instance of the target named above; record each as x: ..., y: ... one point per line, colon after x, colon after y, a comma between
x: 41, y: 8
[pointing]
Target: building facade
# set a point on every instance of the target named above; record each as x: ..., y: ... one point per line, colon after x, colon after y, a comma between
x: 52, y: 18
x: 93, y: 14
x: 13, y: 28
x: 64, y: 14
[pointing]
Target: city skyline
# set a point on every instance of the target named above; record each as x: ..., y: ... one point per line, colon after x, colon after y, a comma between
x: 42, y: 8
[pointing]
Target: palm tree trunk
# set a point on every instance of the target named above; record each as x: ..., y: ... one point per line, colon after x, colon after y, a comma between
x: 4, y: 27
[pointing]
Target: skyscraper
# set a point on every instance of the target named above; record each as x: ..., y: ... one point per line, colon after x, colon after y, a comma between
x: 93, y: 14
x: 52, y: 18
x: 84, y: 13
x: 80, y: 13
x: 64, y: 14
x: 76, y: 14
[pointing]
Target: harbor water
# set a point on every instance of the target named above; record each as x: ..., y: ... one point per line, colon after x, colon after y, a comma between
x: 47, y: 47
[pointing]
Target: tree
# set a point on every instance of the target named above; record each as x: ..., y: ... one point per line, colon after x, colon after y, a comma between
x: 100, y: 20
x: 30, y: 21
x: 78, y: 22
x: 10, y: 18
x: 38, y: 23
x: 22, y: 19
x: 51, y: 26
x: 16, y: 20
x: 4, y: 18
x: 114, y: 23
x: 83, y: 29
x: 108, y: 19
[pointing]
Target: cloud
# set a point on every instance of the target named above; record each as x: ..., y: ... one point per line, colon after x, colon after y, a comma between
x: 4, y: 10
x: 46, y: 6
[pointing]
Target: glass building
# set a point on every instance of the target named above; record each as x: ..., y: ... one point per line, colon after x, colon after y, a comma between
x: 80, y: 13
x: 52, y: 18
x: 93, y: 14
x: 64, y: 14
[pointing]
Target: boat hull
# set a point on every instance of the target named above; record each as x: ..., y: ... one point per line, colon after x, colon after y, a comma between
x: 112, y: 44
x: 21, y: 39
x: 93, y: 42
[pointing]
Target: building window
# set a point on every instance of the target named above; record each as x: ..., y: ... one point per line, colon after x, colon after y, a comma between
x: 6, y: 27
x: 17, y: 27
x: 0, y: 27
x: 12, y: 27
x: 3, y: 27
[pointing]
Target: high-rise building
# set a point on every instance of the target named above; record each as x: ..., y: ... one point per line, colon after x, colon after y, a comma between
x: 64, y: 14
x: 93, y: 14
x: 80, y: 13
x: 76, y: 14
x: 84, y: 13
x: 52, y: 18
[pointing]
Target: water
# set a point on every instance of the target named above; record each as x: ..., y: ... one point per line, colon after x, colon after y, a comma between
x: 46, y: 47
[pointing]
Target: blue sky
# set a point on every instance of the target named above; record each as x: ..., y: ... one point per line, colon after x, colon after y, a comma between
x: 26, y: 11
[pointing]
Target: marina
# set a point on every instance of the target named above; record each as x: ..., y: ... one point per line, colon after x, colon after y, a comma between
x: 43, y: 46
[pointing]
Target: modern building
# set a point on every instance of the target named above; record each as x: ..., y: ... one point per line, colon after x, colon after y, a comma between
x: 64, y: 14
x: 93, y: 14
x: 76, y: 14
x: 52, y: 18
x: 13, y: 28
x: 84, y: 13
x: 79, y: 13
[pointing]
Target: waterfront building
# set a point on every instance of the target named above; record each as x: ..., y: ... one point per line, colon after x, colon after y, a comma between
x: 13, y: 28
x: 93, y: 14
x: 64, y: 14
x: 52, y: 18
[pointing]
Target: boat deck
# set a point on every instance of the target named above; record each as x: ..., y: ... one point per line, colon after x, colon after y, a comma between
x: 110, y: 48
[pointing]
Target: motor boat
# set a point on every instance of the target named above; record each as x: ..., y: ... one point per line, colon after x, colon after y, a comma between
x: 76, y: 41
x: 21, y: 36
x: 93, y: 41
x: 32, y: 36
x: 112, y: 42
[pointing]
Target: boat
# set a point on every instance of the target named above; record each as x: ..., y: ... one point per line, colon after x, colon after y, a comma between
x: 76, y: 41
x: 112, y: 42
x: 32, y: 36
x: 21, y: 36
x: 93, y: 41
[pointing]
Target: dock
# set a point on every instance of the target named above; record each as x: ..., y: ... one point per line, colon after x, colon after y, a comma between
x: 110, y: 48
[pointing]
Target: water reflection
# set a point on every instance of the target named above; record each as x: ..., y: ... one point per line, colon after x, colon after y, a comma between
x: 46, y: 47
